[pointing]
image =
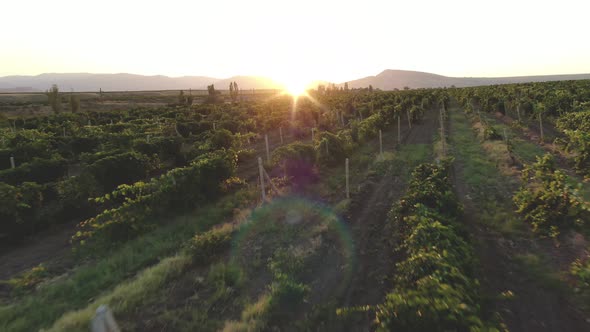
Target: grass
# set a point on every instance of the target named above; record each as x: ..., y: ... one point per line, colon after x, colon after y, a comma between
x: 41, y: 308
x: 127, y: 295
x: 487, y: 186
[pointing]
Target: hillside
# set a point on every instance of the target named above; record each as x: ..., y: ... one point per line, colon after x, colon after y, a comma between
x: 387, y: 80
x: 398, y: 79
x: 125, y: 82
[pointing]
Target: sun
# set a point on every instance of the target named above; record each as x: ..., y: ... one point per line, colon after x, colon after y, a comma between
x: 295, y: 86
x: 295, y: 89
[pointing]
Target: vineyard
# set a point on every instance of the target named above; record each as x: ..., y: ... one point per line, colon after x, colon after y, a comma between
x: 455, y: 209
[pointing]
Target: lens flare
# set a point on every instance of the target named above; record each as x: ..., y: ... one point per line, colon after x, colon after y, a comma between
x: 298, y: 224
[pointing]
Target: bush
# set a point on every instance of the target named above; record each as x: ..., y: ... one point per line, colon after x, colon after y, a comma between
x: 546, y: 200
x: 38, y: 170
x: 205, y: 247
x: 122, y: 168
x: 298, y: 161
x: 330, y: 149
x: 178, y: 190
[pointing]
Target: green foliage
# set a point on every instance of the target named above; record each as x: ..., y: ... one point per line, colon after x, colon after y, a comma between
x: 28, y: 279
x: 205, y: 247
x: 580, y: 270
x: 546, y: 200
x: 330, y: 149
x: 122, y: 168
x: 434, y: 287
x: 222, y: 139
x: 37, y: 170
x: 178, y: 190
x: 297, y: 160
x: 19, y: 206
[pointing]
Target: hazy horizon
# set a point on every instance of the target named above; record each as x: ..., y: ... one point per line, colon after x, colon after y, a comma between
x: 296, y: 42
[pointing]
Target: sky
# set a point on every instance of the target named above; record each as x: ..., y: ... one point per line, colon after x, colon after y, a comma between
x: 295, y: 40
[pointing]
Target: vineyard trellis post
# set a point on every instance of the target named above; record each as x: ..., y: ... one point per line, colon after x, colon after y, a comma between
x: 409, y: 120
x: 281, y: 134
x: 312, y: 134
x: 261, y: 170
x: 104, y: 321
x: 442, y: 133
x: 267, y: 147
x: 12, y: 162
x: 380, y: 144
x: 541, y: 126
x: 347, y: 185
x: 399, y: 130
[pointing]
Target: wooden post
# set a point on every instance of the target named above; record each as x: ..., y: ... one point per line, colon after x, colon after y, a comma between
x: 271, y: 185
x: 342, y: 119
x: 399, y: 130
x: 346, y: 171
x: 281, y: 133
x: 12, y: 162
x: 505, y: 137
x: 214, y: 126
x: 267, y: 148
x: 409, y: 120
x: 380, y: 144
x: 261, y: 170
x: 442, y: 133
x: 148, y: 138
x: 327, y: 149
x: 89, y: 123
x: 64, y: 131
x: 104, y: 321
x: 312, y: 134
x: 518, y: 111
x: 541, y: 126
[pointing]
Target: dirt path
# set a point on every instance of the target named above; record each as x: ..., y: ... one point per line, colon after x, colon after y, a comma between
x: 535, y: 306
x: 51, y: 245
x: 371, y: 235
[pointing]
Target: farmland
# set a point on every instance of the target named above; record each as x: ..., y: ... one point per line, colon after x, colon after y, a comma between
x: 455, y: 209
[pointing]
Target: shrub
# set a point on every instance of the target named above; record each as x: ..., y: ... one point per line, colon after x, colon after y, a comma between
x: 546, y: 200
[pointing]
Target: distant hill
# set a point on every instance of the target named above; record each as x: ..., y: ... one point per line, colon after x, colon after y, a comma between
x: 125, y: 82
x: 387, y: 80
x: 398, y: 79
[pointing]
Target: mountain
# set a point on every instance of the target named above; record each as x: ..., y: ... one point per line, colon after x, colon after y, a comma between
x: 387, y: 80
x: 398, y: 79
x: 127, y: 82
x: 107, y: 82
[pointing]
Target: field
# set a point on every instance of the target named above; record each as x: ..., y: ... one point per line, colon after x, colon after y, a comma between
x: 456, y: 209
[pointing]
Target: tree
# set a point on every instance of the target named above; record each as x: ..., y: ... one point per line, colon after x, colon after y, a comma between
x: 370, y: 88
x: 74, y: 103
x: 213, y: 95
x: 54, y: 98
x: 346, y: 86
x: 233, y: 91
x: 181, y: 99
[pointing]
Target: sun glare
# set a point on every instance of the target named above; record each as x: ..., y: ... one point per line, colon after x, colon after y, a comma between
x: 294, y: 85
x: 295, y: 89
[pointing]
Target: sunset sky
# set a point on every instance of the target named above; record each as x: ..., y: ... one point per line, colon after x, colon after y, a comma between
x: 295, y: 40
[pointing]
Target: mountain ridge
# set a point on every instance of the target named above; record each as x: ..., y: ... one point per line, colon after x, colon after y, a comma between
x: 388, y: 79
